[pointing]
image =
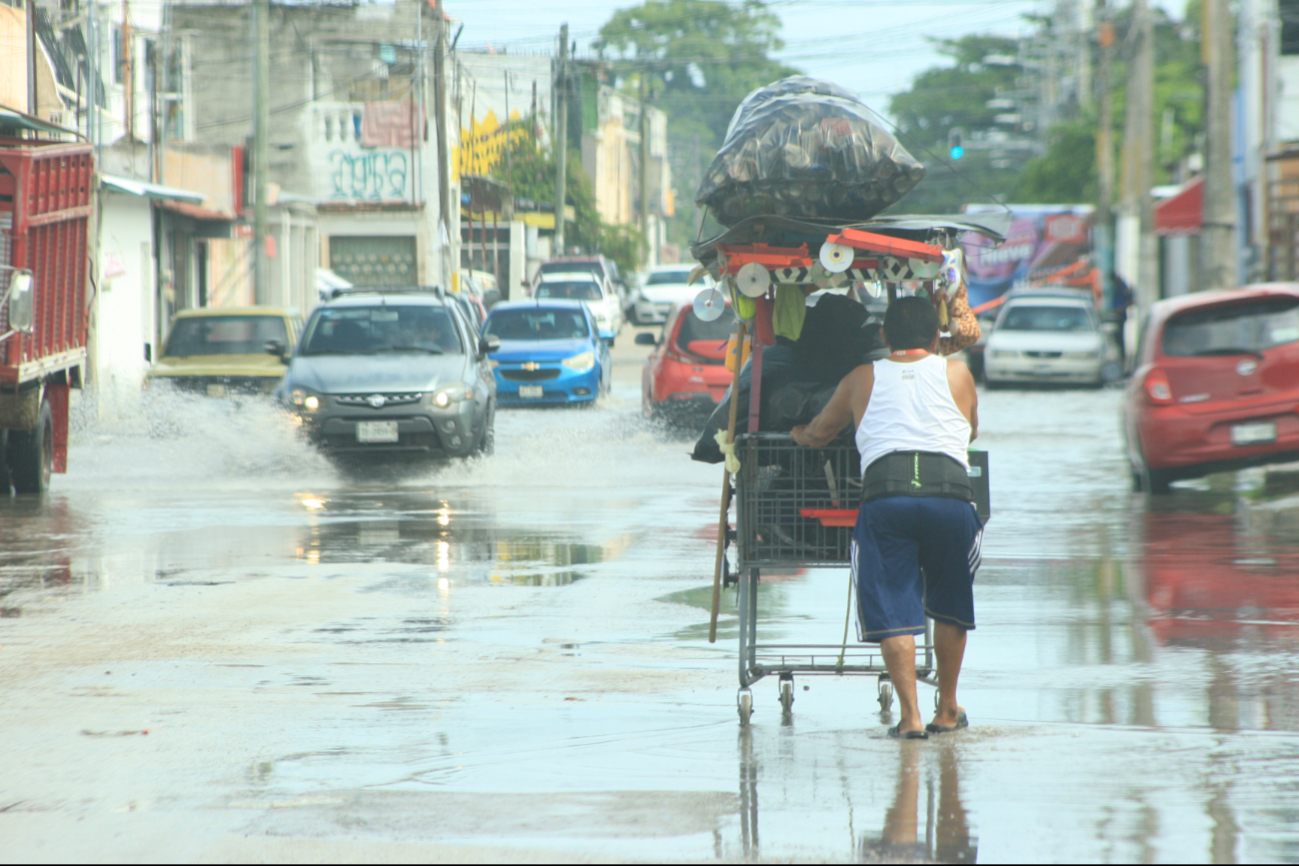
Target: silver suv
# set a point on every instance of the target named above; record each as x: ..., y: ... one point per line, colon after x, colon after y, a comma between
x: 392, y: 370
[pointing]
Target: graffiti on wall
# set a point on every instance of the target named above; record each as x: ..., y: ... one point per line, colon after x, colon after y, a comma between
x: 370, y: 174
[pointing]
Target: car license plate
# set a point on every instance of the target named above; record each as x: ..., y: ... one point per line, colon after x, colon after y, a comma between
x: 532, y: 391
x: 376, y: 431
x: 1253, y: 434
x: 216, y: 390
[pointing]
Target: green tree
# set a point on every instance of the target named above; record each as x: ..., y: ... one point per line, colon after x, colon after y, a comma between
x: 531, y: 173
x: 702, y: 57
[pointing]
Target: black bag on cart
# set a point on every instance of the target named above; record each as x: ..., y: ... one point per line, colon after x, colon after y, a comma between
x: 806, y: 148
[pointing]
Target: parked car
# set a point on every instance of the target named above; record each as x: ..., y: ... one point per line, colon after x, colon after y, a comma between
x: 219, y: 351
x: 392, y: 370
x: 686, y: 373
x: 1215, y: 385
x: 549, y: 351
x: 663, y: 289
x: 1046, y: 335
x: 583, y: 286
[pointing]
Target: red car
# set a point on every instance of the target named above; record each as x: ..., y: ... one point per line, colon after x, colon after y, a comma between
x: 1216, y: 385
x: 687, y: 369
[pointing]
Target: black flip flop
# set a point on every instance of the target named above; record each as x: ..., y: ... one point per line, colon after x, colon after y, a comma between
x: 962, y: 721
x: 909, y: 735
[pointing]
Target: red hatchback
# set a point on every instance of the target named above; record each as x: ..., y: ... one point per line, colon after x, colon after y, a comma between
x: 1216, y: 385
x: 687, y: 369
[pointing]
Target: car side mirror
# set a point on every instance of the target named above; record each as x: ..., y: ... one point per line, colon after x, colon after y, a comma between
x: 645, y: 338
x: 21, y: 313
x: 489, y: 344
x: 276, y: 348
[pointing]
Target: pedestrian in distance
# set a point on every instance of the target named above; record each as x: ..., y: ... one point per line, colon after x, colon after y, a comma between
x: 916, y: 546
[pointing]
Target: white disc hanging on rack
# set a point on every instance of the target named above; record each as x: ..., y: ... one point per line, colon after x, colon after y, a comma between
x: 709, y: 305
x: 753, y: 280
x: 836, y: 258
x: 924, y: 270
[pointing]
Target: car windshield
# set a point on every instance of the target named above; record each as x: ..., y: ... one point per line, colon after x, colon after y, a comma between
x: 388, y: 328
x: 537, y: 324
x: 659, y: 278
x: 1022, y: 317
x: 694, y: 329
x: 1233, y: 329
x: 564, y: 290
x: 224, y: 335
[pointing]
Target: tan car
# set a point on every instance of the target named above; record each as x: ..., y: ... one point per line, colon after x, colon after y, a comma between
x: 220, y: 351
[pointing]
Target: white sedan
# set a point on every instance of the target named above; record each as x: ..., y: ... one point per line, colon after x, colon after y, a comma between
x: 664, y: 288
x: 1046, y: 338
x: 584, y: 286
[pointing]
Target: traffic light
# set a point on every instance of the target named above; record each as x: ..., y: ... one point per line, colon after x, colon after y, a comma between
x: 956, y: 143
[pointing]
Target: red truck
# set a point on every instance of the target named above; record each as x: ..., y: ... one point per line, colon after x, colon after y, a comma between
x: 45, y: 208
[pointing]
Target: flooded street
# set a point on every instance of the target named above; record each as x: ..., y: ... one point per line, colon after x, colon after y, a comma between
x: 216, y: 647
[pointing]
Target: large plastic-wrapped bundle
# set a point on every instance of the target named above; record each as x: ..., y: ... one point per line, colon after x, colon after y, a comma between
x: 806, y: 148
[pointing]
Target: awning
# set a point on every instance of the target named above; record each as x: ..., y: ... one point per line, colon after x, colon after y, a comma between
x: 10, y: 118
x: 195, y: 212
x: 1183, y: 213
x: 149, y: 190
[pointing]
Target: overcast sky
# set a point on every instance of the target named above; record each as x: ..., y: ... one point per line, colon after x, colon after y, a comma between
x: 874, y: 47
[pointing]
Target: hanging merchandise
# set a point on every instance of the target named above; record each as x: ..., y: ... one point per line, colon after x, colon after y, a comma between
x: 709, y: 305
x: 742, y: 304
x: 787, y: 319
x: 836, y: 258
x: 753, y: 280
x: 923, y: 270
x: 806, y: 148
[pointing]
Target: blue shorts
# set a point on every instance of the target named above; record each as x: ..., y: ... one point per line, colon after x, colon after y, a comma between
x: 912, y: 556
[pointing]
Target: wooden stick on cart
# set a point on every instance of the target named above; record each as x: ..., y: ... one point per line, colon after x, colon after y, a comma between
x: 722, y: 523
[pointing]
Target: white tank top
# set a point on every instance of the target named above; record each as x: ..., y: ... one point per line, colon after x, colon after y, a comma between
x: 911, y: 409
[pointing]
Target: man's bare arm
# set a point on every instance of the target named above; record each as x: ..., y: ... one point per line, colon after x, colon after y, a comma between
x: 836, y: 415
x: 965, y: 394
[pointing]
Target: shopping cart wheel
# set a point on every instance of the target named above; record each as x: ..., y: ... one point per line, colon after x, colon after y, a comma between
x: 886, y: 696
x: 745, y: 706
x: 787, y: 694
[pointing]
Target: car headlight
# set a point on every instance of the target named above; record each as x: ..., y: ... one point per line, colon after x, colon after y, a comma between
x: 1003, y: 353
x: 301, y: 398
x: 581, y: 363
x: 1082, y: 356
x: 492, y: 364
x: 444, y: 397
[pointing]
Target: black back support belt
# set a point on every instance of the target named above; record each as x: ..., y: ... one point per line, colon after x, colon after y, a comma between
x: 916, y: 473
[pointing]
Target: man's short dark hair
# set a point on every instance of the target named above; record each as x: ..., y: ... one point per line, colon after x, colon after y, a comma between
x: 910, y: 323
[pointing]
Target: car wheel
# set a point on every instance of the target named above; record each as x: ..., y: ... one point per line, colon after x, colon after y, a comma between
x: 30, y: 454
x: 1153, y: 481
x: 487, y: 441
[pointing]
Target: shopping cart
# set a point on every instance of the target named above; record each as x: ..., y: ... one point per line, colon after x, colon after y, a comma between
x: 796, y: 507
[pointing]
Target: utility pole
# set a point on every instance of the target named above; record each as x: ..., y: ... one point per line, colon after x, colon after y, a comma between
x: 128, y: 74
x: 261, y: 150
x: 30, y: 36
x: 1217, y: 237
x: 644, y: 164
x: 1141, y: 155
x: 445, y: 239
x: 1105, y: 154
x: 561, y: 138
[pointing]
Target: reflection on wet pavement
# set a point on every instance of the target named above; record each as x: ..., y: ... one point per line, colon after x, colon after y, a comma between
x: 512, y: 655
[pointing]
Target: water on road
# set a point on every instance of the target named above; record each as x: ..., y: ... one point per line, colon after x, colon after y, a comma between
x: 216, y: 647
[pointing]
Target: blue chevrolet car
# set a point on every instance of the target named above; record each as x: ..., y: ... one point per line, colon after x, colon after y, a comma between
x: 551, y: 352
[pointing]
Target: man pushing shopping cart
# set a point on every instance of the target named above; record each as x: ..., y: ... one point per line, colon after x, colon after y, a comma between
x: 916, y: 544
